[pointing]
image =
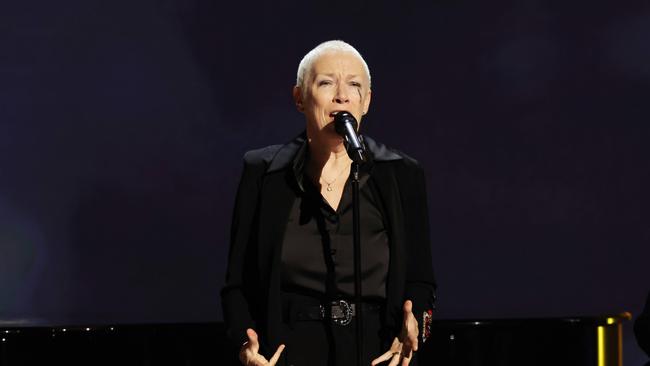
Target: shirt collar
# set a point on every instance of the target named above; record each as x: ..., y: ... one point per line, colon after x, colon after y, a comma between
x: 298, y: 165
x: 295, y: 153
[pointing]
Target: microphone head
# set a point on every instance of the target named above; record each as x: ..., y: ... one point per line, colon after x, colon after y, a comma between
x: 341, y: 119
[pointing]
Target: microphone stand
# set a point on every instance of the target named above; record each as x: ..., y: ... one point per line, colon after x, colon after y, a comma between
x: 346, y: 125
x: 356, y: 228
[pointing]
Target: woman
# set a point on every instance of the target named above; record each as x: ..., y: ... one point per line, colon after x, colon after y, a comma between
x: 290, y: 279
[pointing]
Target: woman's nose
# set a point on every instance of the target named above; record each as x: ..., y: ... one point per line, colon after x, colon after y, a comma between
x: 341, y: 95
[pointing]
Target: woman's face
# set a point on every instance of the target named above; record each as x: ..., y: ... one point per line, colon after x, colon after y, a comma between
x: 337, y: 82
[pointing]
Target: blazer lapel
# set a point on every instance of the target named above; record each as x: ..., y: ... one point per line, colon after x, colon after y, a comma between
x: 278, y: 198
x: 278, y: 195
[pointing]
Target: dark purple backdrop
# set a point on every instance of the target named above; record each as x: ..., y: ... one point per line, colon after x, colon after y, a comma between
x: 122, y: 126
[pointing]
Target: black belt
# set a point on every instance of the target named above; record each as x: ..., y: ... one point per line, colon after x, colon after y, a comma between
x: 341, y: 312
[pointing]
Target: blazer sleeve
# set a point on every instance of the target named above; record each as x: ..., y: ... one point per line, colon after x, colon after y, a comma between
x: 239, y: 294
x: 642, y: 327
x: 420, y: 282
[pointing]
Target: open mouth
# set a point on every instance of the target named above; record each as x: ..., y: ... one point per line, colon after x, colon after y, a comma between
x: 335, y: 113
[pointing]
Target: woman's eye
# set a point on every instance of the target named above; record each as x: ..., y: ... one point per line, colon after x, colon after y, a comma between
x: 324, y: 82
x: 355, y: 84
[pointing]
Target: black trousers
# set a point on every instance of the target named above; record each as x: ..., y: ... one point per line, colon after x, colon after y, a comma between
x: 324, y: 343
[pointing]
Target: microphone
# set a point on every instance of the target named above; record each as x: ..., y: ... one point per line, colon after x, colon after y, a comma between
x: 346, y: 125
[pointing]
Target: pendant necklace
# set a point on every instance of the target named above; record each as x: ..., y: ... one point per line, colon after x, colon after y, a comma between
x: 329, y: 184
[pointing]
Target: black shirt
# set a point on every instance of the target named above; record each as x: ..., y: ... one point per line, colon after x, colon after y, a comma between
x: 318, y: 252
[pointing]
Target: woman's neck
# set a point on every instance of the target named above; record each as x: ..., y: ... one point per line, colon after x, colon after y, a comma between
x: 324, y: 156
x: 326, y: 149
x: 327, y: 161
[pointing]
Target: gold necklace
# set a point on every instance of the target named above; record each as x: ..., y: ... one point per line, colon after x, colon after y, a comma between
x: 329, y: 184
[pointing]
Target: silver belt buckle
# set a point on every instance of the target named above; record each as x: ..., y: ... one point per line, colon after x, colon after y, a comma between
x: 347, y: 311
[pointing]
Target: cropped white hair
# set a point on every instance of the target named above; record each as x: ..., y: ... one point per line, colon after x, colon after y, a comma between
x: 325, y: 47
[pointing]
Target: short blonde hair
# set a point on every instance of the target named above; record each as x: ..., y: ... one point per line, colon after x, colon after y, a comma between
x: 325, y: 47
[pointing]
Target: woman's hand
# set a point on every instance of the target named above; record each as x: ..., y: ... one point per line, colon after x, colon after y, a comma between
x: 248, y: 354
x: 401, y: 351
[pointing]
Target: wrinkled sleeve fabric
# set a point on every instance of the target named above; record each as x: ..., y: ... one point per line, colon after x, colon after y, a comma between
x: 239, y: 294
x: 420, y: 282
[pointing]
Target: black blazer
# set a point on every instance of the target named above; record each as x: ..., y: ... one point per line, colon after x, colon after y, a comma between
x: 642, y: 328
x: 251, y: 295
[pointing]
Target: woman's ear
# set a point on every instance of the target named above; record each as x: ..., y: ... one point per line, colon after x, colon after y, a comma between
x: 297, y: 98
x: 366, y: 103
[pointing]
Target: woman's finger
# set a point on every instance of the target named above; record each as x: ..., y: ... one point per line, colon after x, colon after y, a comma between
x: 408, y: 308
x: 385, y: 357
x: 413, y: 338
x: 406, y: 361
x: 276, y: 356
x: 395, y: 359
x: 408, y: 312
x: 410, y: 325
x: 253, y: 343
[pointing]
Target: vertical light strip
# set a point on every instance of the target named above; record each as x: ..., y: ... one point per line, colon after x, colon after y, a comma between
x: 620, y: 344
x: 601, y: 346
